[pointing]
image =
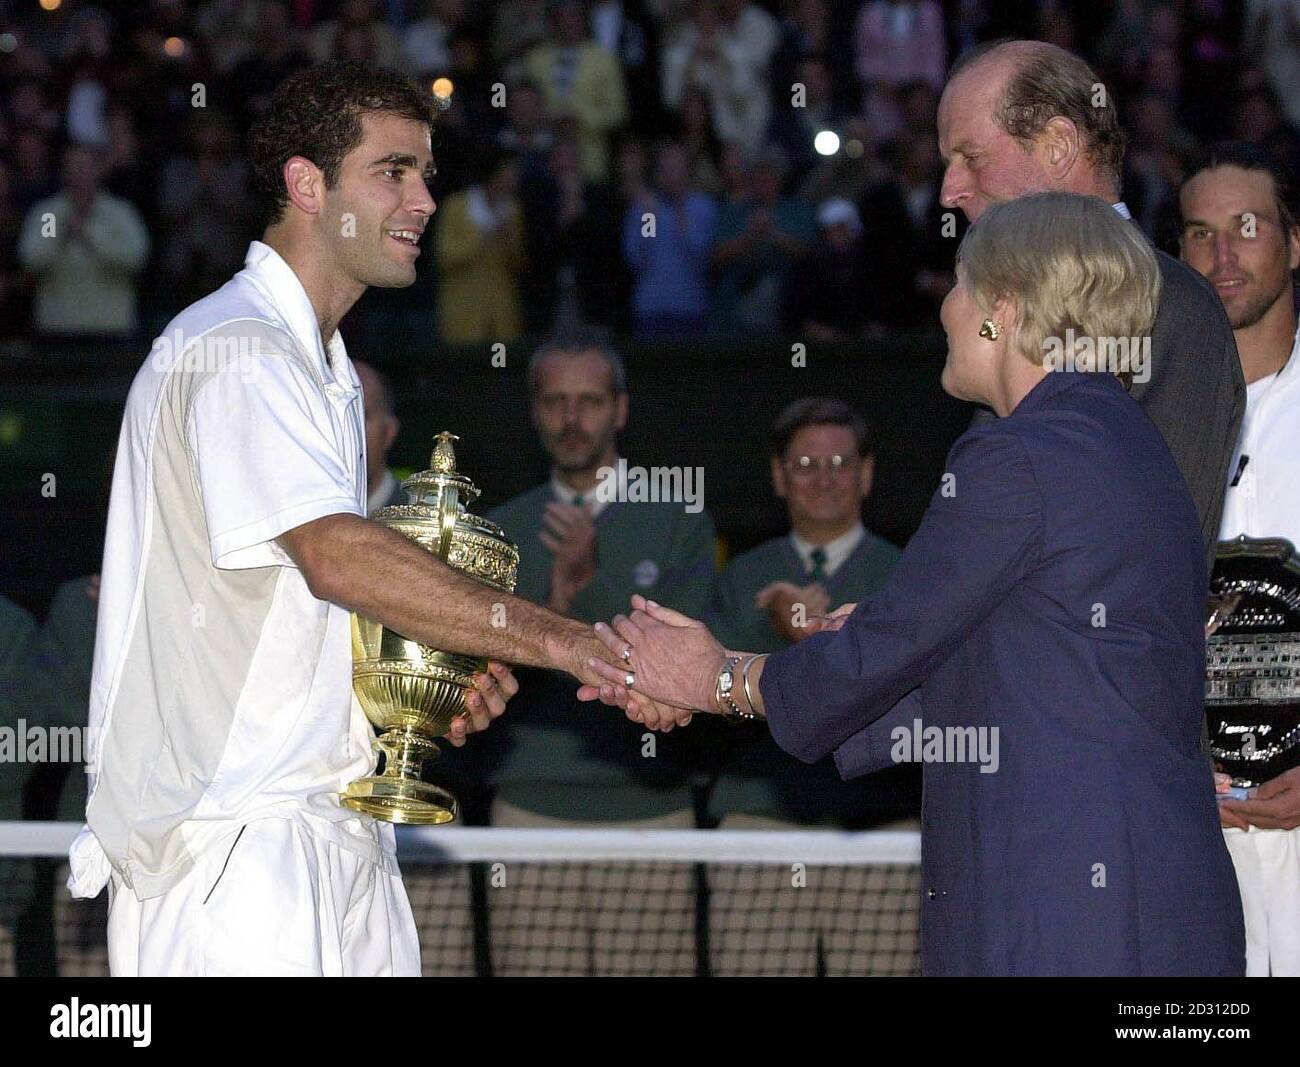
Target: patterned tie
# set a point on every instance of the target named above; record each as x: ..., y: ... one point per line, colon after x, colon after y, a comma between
x: 819, y: 564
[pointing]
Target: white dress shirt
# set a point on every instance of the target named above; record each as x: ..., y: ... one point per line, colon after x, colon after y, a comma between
x: 837, y: 551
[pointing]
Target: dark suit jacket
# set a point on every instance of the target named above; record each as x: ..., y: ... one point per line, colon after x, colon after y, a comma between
x: 1054, y: 592
x: 1196, y: 394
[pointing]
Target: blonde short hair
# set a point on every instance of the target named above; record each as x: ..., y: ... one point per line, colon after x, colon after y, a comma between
x: 1072, y: 265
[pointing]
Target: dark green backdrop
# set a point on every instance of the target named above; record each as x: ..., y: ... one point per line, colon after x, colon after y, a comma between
x: 707, y: 405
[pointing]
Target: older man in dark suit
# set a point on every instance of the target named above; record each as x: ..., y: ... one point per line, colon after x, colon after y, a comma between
x: 1039, y: 646
x: 1022, y: 117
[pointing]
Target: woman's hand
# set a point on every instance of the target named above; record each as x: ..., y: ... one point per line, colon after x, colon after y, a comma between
x: 639, y: 708
x: 669, y: 657
x: 829, y: 623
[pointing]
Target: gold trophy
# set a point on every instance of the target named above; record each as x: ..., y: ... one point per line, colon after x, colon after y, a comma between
x: 409, y: 691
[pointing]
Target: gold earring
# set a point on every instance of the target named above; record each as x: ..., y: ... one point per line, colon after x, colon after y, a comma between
x: 990, y: 330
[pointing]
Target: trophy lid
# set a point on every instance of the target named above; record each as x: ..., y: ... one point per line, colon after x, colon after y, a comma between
x: 428, y: 486
x: 1257, y: 581
x: 435, y: 516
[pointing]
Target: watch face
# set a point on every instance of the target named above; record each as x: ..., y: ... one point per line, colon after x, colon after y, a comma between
x: 725, y: 681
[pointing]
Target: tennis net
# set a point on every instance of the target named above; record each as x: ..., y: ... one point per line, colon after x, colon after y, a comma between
x: 581, y: 902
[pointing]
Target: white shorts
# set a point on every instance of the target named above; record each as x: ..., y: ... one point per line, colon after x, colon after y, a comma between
x: 272, y: 899
x: 1268, y: 874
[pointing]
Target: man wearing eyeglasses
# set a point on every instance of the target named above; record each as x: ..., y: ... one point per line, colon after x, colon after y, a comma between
x: 822, y: 467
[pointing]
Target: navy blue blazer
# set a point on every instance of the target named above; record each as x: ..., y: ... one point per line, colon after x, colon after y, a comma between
x: 1054, y: 593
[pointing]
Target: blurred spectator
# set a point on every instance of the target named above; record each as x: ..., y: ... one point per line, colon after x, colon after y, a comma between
x: 517, y: 26
x: 276, y: 54
x: 576, y: 269
x: 759, y: 241
x: 1119, y: 49
x: 626, y: 30
x: 695, y: 132
x: 896, y: 42
x: 85, y: 248
x: 849, y: 173
x: 30, y: 106
x: 910, y: 237
x: 1055, y: 25
x: 582, y: 82
x: 1157, y: 153
x: 358, y: 32
x: 667, y: 237
x: 125, y: 171
x: 805, y: 30
x: 1272, y: 39
x: 31, y: 179
x: 733, y: 175
x: 526, y: 133
x: 473, y: 80
x: 830, y: 297
x: 382, y: 428
x: 822, y: 468
x: 86, y: 62
x: 725, y: 49
x: 1211, y: 30
x: 231, y: 30
x: 480, y: 255
x: 425, y: 48
x: 1260, y: 120
x: 630, y: 163
x: 207, y: 211
x: 559, y: 763
x: 794, y: 129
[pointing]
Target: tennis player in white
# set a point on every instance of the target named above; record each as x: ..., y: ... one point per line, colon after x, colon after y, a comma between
x: 221, y: 702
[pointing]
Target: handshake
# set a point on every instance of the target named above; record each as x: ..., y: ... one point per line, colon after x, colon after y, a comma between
x: 666, y: 666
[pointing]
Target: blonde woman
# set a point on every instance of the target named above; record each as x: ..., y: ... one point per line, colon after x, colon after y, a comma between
x: 1039, y: 646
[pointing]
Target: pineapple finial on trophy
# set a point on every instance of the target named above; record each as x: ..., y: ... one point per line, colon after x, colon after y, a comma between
x: 443, y: 460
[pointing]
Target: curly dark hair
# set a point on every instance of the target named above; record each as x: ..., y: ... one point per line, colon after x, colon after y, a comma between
x: 316, y: 113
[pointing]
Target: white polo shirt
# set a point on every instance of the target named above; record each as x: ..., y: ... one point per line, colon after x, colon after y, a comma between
x: 222, y: 688
x: 1265, y: 502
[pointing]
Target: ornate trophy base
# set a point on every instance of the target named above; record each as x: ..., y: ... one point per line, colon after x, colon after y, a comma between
x: 399, y: 794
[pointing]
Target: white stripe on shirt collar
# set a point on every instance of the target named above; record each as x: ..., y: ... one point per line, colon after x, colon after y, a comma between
x: 837, y: 551
x: 1123, y: 210
x: 568, y: 495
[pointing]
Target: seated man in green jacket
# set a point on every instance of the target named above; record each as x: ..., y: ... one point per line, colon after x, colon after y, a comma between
x: 589, y: 537
x: 822, y: 467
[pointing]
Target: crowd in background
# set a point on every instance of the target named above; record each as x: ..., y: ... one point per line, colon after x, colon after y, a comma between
x: 784, y: 154
x: 784, y: 150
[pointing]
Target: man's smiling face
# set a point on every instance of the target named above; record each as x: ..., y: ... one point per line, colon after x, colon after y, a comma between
x: 1233, y: 234
x: 374, y: 216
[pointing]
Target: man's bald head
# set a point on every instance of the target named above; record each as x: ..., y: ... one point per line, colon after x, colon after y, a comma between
x: 1019, y: 117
